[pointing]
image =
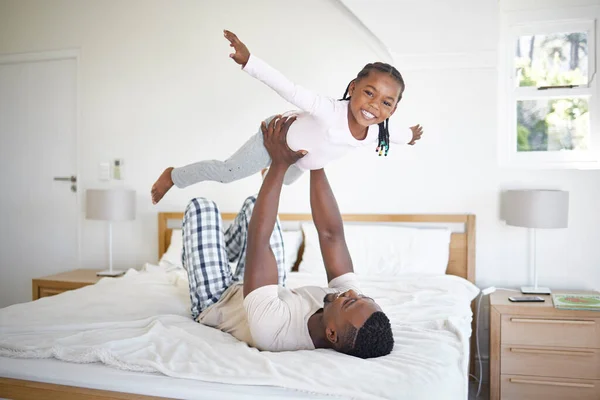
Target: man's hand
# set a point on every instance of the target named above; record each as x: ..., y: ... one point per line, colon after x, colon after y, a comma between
x: 274, y: 138
x: 242, y: 54
x: 417, y: 132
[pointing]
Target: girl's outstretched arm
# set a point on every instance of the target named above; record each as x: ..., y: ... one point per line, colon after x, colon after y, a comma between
x: 403, y: 135
x: 307, y: 100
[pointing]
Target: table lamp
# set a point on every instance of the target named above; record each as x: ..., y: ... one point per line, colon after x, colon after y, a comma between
x: 535, y: 209
x: 110, y: 205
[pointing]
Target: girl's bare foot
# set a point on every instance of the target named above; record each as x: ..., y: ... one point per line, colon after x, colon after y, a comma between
x: 162, y: 185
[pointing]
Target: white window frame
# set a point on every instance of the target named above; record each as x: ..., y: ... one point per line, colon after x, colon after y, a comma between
x: 532, y: 22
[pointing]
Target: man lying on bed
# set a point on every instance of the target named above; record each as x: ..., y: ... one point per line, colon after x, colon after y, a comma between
x: 262, y: 311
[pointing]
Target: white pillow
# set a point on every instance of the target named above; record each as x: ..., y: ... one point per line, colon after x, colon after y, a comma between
x: 384, y: 250
x: 292, y: 240
x: 172, y: 257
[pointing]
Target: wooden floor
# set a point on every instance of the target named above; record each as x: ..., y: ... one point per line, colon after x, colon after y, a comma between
x: 484, y: 395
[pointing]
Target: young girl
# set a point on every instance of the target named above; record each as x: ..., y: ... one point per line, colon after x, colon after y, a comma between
x: 327, y: 129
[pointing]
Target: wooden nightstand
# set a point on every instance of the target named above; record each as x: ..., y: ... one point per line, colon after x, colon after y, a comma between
x: 55, y: 284
x: 540, y: 352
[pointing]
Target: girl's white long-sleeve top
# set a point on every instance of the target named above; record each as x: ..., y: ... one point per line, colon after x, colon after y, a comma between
x: 321, y: 128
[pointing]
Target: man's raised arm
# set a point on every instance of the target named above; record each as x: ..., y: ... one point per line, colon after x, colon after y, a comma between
x: 261, y: 266
x: 328, y: 220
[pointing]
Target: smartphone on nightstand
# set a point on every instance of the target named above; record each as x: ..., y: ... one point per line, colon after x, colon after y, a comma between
x: 526, y: 299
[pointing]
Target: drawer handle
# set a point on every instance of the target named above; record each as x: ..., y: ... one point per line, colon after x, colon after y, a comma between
x: 553, y: 352
x: 552, y: 383
x: 552, y: 321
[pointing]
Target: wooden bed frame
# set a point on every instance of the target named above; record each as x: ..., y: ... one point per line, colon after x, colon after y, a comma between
x: 461, y: 263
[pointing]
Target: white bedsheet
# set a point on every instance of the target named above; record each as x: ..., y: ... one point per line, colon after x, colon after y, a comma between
x: 141, y: 323
x: 99, y: 376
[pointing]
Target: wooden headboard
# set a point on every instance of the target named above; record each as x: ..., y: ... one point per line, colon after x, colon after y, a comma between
x: 462, y: 244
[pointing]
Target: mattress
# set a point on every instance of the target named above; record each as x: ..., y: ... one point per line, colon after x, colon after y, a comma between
x: 134, y: 335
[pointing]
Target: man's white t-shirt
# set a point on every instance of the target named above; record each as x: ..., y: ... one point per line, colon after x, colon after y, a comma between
x: 272, y: 318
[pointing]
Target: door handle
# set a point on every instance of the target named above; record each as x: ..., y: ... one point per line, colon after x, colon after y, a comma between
x: 71, y: 178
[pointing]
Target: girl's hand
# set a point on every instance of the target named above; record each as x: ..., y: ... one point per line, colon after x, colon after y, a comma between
x: 242, y: 54
x: 417, y: 131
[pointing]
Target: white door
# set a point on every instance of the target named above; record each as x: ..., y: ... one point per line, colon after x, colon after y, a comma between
x: 38, y: 214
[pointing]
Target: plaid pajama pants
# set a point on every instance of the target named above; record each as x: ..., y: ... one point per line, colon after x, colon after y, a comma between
x: 208, y: 251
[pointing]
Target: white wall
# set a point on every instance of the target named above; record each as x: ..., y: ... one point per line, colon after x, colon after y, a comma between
x: 449, y: 50
x: 158, y: 89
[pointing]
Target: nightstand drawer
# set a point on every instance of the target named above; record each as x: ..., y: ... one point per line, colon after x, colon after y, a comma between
x: 555, y: 362
x: 552, y: 331
x: 521, y: 387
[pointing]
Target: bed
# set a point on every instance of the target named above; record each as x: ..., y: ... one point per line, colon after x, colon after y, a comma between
x: 431, y: 357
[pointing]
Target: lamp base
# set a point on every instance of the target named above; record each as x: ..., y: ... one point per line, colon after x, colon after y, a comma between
x: 108, y: 272
x: 535, y: 290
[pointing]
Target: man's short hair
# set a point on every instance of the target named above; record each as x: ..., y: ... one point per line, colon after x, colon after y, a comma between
x: 373, y: 339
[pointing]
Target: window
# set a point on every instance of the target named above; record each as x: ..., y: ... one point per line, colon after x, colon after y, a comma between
x: 549, y: 100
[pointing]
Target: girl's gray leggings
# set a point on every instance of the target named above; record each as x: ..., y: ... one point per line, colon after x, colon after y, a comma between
x: 248, y: 160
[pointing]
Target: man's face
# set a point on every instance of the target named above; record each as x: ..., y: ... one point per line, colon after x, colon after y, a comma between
x: 341, y: 309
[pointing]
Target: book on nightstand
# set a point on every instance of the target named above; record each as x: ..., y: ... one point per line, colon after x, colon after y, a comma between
x: 565, y: 301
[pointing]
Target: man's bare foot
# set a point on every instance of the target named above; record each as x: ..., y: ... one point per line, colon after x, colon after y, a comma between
x: 162, y: 185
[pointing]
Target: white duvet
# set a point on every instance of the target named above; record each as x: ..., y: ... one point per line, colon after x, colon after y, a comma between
x: 141, y: 322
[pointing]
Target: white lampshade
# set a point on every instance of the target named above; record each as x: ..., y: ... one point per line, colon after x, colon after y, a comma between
x: 545, y: 209
x: 110, y: 204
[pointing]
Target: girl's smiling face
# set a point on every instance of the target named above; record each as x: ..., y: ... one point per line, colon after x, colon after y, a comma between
x: 374, y: 98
